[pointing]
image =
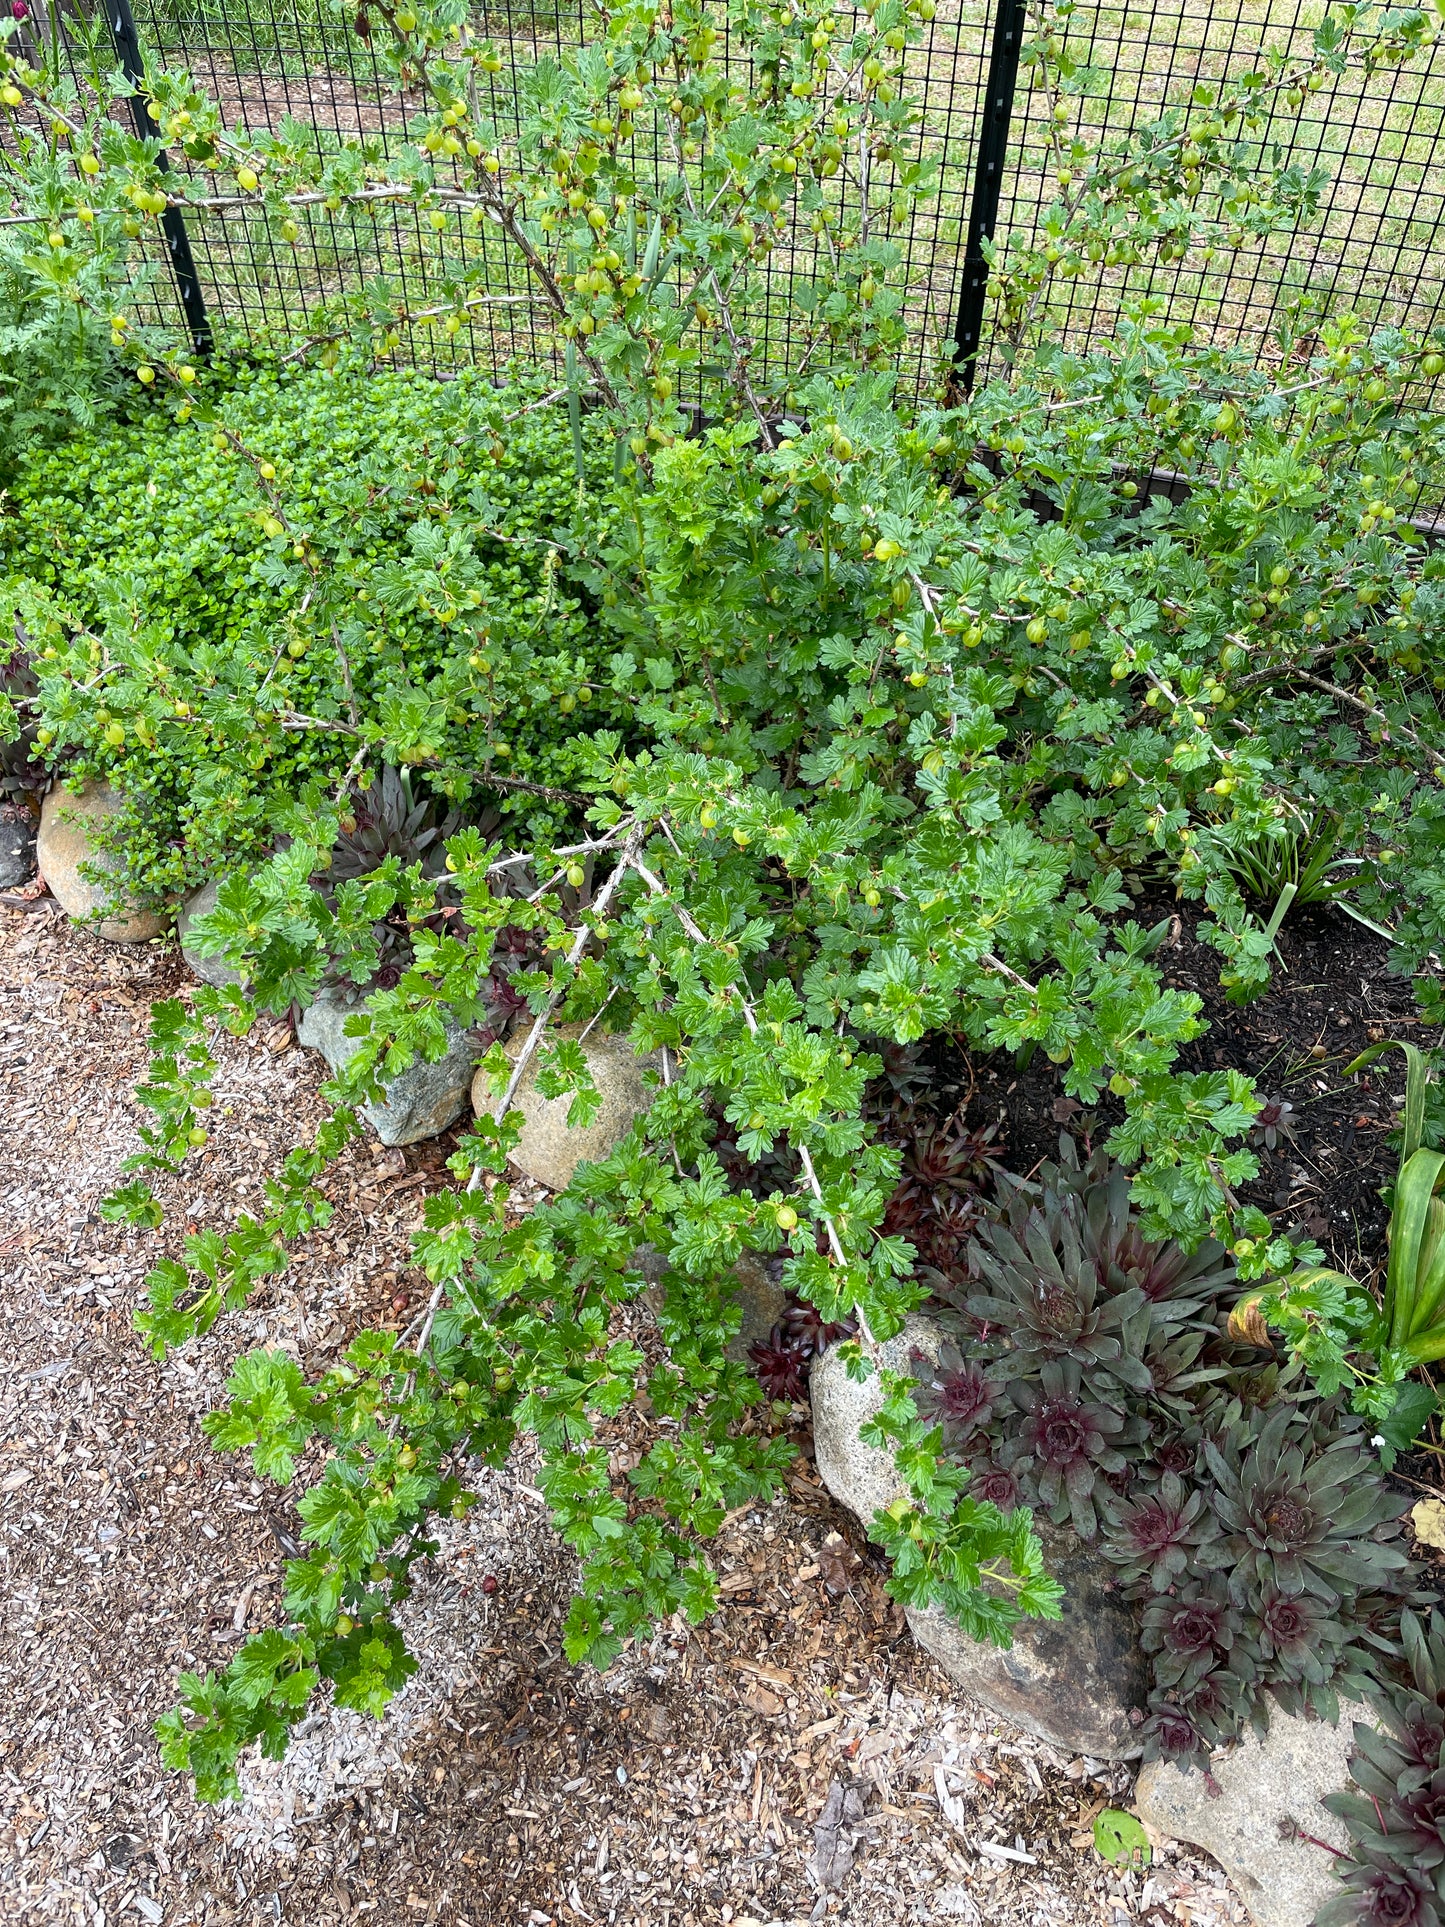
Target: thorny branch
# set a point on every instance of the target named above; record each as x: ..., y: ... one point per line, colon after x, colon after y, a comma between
x: 626, y: 859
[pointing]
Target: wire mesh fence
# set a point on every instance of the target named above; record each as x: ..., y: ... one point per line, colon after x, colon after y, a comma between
x: 275, y: 61
x: 1374, y: 244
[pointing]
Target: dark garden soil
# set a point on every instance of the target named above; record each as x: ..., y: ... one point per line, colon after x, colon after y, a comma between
x: 1331, y: 997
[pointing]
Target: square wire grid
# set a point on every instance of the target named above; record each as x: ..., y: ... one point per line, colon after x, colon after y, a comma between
x: 1373, y: 247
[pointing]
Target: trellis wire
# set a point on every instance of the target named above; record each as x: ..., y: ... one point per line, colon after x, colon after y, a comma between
x: 1375, y: 245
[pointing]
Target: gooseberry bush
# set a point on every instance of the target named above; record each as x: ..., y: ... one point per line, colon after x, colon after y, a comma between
x: 891, y: 713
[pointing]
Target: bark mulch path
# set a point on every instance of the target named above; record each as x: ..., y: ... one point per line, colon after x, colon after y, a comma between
x: 797, y: 1759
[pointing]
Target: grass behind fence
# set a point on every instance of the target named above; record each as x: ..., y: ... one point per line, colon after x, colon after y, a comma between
x: 1376, y: 246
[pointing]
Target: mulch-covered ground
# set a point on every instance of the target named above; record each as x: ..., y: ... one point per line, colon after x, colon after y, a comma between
x: 796, y: 1759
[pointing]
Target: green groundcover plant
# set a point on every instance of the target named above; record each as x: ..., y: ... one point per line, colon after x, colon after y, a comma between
x: 893, y: 714
x: 188, y: 657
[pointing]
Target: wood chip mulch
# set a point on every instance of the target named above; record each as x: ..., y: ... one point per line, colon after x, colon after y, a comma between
x: 797, y: 1759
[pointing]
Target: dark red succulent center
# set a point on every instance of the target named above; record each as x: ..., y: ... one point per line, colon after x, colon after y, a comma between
x: 1288, y: 1621
x: 1155, y: 1526
x: 1154, y: 1269
x: 1426, y: 1810
x: 1059, y: 1308
x: 780, y: 1363
x: 1208, y: 1699
x: 963, y: 1395
x: 997, y: 1487
x: 1193, y: 1628
x: 1176, y: 1734
x: 1128, y: 1254
x: 1427, y: 1734
x: 1286, y: 1519
x: 1392, y: 1899
x: 1060, y: 1432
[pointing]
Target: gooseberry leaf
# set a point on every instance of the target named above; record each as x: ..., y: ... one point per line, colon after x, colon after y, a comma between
x: 1120, y: 1839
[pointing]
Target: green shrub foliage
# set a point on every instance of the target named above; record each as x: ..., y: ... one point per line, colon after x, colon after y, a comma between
x: 208, y: 654
x: 787, y: 733
x: 878, y: 800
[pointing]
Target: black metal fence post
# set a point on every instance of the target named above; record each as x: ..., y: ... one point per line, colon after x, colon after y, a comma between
x: 1003, y: 72
x: 173, y: 226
